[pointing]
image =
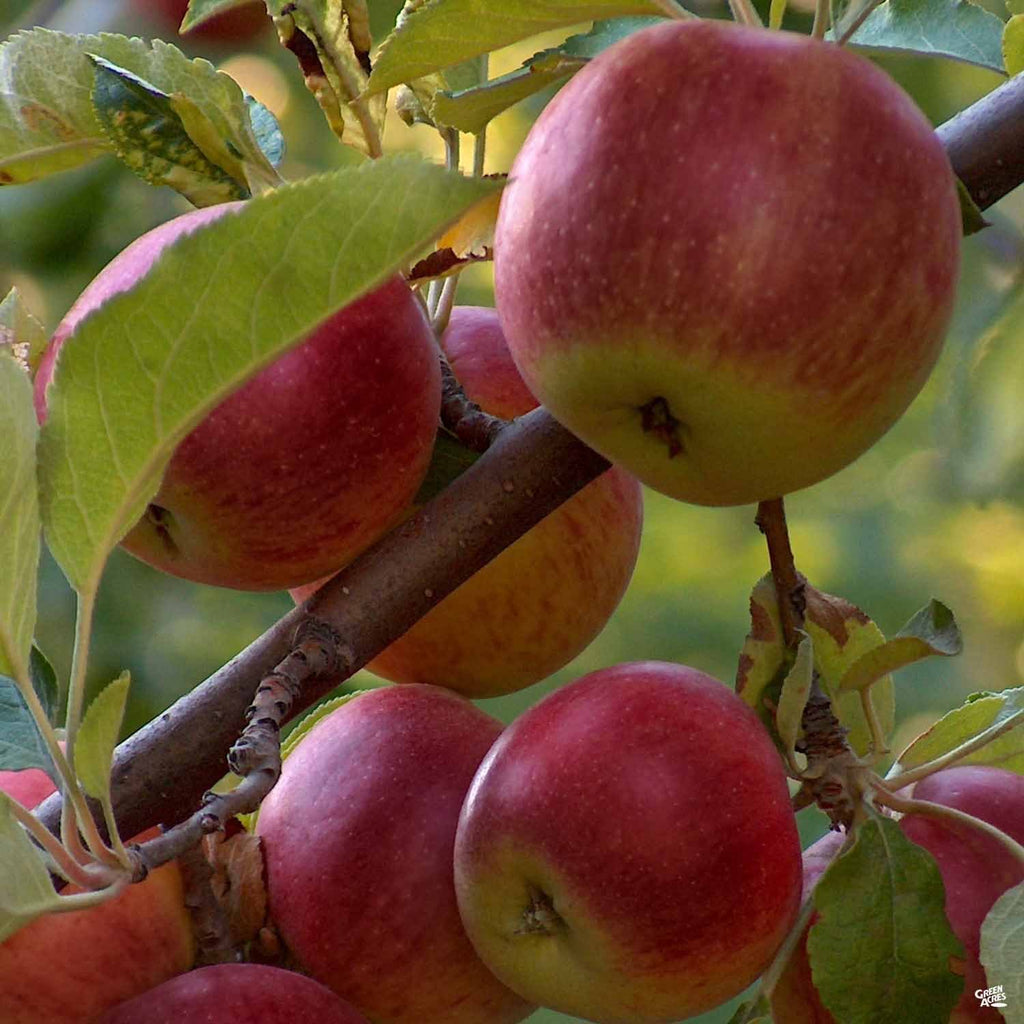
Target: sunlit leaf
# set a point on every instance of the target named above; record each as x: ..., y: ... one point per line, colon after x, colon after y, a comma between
x: 332, y: 49
x: 470, y: 109
x: 47, y: 119
x: 881, y: 948
x: 19, y: 514
x: 114, y: 422
x: 956, y: 29
x: 97, y: 737
x: 1002, y: 952
x: 440, y: 33
x: 981, y: 712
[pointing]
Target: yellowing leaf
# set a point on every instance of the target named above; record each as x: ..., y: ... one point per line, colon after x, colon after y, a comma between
x: 473, y: 233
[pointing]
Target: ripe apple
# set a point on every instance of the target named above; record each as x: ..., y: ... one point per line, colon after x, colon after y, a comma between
x: 544, y: 598
x: 304, y: 466
x: 358, y: 838
x: 627, y: 852
x: 236, y: 994
x: 68, y: 968
x: 975, y: 871
x: 726, y: 258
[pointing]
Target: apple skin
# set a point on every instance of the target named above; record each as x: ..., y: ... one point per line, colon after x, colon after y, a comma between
x: 627, y: 852
x: 236, y: 994
x: 68, y: 968
x: 544, y: 598
x: 975, y: 871
x: 306, y: 464
x: 757, y: 228
x: 358, y: 838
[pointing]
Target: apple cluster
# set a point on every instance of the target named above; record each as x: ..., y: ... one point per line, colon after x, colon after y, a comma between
x: 722, y: 329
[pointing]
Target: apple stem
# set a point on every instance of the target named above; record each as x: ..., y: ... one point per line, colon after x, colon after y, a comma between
x: 899, y: 780
x: 744, y: 12
x: 822, y: 14
x: 673, y: 10
x: 927, y: 808
x: 789, y: 583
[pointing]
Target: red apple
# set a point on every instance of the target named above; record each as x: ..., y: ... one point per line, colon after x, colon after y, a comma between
x: 975, y: 870
x: 236, y: 994
x: 235, y: 26
x: 68, y: 968
x: 727, y: 257
x: 544, y: 598
x: 305, y: 465
x: 627, y: 852
x: 358, y: 839
x: 29, y: 787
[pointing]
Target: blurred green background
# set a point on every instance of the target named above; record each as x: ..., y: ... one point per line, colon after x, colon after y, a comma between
x: 933, y: 510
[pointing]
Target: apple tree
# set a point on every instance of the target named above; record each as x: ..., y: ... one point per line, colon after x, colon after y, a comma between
x: 726, y: 260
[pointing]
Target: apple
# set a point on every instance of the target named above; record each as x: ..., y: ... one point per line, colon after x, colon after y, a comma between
x: 235, y: 26
x: 68, y: 968
x: 726, y: 258
x: 627, y: 852
x: 306, y: 464
x: 543, y: 599
x: 358, y: 837
x: 236, y: 994
x: 975, y: 871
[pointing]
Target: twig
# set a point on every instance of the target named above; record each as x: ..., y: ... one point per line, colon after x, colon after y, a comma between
x: 789, y: 584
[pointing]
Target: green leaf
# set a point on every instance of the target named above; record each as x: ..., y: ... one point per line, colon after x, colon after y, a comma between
x: 19, y: 514
x: 113, y: 422
x: 331, y: 40
x: 796, y: 688
x: 982, y: 711
x: 469, y: 110
x: 44, y: 682
x: 200, y: 11
x: 97, y: 737
x: 149, y: 137
x: 25, y: 888
x: 47, y: 119
x: 881, y: 948
x: 933, y: 630
x: 1002, y: 952
x: 21, y: 745
x: 440, y: 33
x: 956, y: 29
x: 1013, y: 45
x: 752, y: 1011
x: 970, y: 213
x: 20, y: 332
x: 1015, y: 6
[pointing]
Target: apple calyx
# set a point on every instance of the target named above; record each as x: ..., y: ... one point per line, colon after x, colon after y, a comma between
x: 540, y: 916
x: 657, y: 419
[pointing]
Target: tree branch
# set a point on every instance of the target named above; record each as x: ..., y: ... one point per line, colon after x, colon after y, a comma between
x: 161, y: 773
